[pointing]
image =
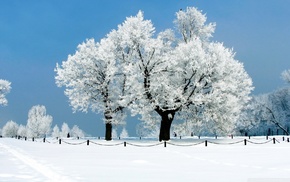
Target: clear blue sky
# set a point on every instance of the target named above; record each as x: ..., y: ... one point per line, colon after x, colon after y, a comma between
x: 37, y: 34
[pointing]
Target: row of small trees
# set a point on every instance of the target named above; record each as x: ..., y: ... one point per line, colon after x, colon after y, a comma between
x: 39, y: 125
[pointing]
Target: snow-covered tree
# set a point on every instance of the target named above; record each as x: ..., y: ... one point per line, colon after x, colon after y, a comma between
x: 65, y: 130
x: 114, y: 133
x: 124, y: 133
x: 90, y: 80
x: 22, y: 131
x: 38, y: 123
x: 5, y: 87
x: 77, y: 132
x: 168, y: 75
x: 250, y: 118
x: 286, y: 75
x: 55, y: 132
x: 145, y: 130
x: 268, y: 112
x: 10, y: 129
x: 275, y: 109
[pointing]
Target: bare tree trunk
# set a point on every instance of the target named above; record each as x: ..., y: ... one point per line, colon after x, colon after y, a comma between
x: 166, y: 121
x: 108, y: 135
x: 108, y: 117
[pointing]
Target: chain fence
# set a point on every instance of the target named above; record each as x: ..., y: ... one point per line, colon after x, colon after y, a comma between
x: 186, y: 142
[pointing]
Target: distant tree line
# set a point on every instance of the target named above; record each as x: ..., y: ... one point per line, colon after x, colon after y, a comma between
x: 39, y: 126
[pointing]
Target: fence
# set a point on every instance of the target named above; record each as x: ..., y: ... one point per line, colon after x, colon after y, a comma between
x: 197, y: 142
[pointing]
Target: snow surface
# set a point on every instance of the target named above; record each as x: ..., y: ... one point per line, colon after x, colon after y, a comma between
x: 37, y: 161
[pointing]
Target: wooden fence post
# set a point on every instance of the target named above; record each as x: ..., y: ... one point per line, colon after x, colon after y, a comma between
x: 125, y: 144
x: 274, y: 140
x: 245, y: 141
x: 88, y: 142
x: 164, y: 143
x: 205, y: 143
x: 43, y: 140
x: 59, y: 141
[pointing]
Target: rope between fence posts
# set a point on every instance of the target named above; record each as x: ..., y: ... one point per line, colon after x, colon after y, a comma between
x: 259, y: 143
x: 185, y: 145
x: 50, y: 141
x: 232, y: 143
x: 151, y: 145
x: 107, y: 145
x: 73, y: 143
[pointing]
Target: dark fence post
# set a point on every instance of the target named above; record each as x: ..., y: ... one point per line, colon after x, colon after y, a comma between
x: 267, y: 137
x: 283, y: 139
x: 33, y: 139
x: 245, y: 141
x: 88, y: 142
x: 164, y: 143
x: 287, y: 139
x: 25, y: 138
x: 125, y: 144
x: 205, y: 143
x: 59, y: 141
x: 274, y: 140
x: 43, y: 140
x: 249, y: 137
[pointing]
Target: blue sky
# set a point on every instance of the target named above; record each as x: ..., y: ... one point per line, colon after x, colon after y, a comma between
x: 37, y: 34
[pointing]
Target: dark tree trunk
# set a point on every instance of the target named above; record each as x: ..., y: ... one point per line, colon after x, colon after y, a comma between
x: 108, y: 135
x: 108, y: 117
x: 166, y: 121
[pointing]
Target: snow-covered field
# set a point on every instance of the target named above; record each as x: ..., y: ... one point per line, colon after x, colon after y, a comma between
x: 37, y: 161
